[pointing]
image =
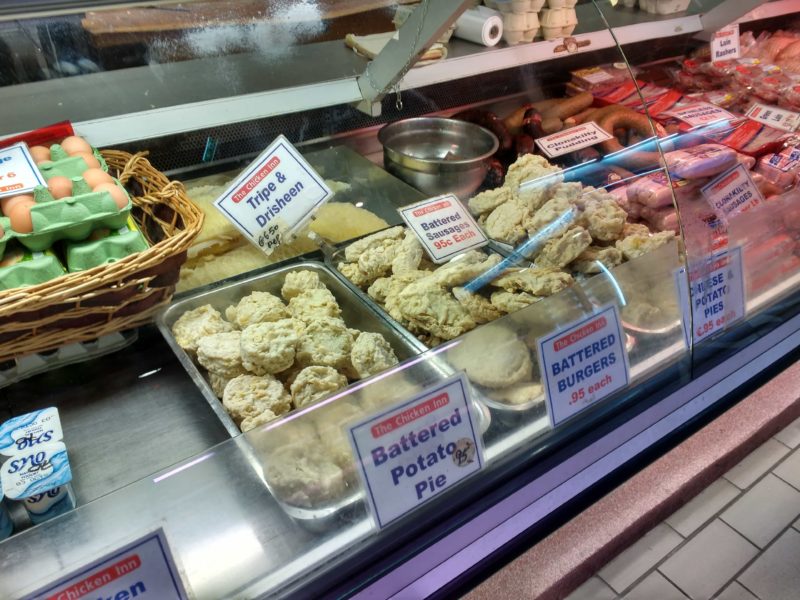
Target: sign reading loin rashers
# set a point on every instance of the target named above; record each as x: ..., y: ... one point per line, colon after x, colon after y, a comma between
x: 274, y: 196
x: 416, y: 449
x: 142, y: 569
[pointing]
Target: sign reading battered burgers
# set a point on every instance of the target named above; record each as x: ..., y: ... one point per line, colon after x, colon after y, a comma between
x: 583, y: 363
x: 444, y: 227
x: 417, y: 449
x: 274, y: 196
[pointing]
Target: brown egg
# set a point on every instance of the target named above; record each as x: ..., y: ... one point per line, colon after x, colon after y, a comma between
x: 20, y: 216
x: 60, y: 187
x: 74, y: 145
x: 89, y: 159
x: 95, y: 177
x: 117, y: 193
x: 39, y: 153
x: 7, y: 203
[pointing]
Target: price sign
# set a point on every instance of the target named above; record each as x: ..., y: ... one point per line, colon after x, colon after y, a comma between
x: 274, y: 196
x: 417, y: 449
x: 144, y: 568
x: 699, y: 113
x: 725, y: 44
x: 444, y: 227
x: 574, y: 138
x: 715, y: 293
x: 733, y: 192
x: 18, y: 172
x: 773, y: 116
x: 583, y: 363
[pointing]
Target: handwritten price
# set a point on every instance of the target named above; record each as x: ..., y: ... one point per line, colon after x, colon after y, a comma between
x: 271, y: 238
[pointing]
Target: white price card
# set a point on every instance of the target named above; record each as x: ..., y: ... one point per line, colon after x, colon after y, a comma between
x: 699, y: 113
x: 780, y: 118
x: 274, y: 196
x: 733, y: 192
x: 583, y: 363
x: 144, y: 568
x: 444, y: 226
x: 18, y: 172
x: 417, y: 449
x: 715, y: 293
x: 574, y: 138
x: 725, y: 44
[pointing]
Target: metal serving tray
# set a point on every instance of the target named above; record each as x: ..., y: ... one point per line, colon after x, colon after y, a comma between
x: 355, y: 312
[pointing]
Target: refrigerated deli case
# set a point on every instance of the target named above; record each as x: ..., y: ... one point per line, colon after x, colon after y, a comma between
x: 626, y: 289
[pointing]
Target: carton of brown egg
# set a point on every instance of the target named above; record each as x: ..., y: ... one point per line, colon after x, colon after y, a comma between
x: 79, y: 198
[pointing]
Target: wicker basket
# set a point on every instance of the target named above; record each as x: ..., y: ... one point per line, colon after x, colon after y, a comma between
x: 83, y: 306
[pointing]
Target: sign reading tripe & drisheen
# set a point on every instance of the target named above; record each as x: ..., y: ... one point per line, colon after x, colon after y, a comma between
x: 274, y: 196
x: 415, y: 450
x: 583, y: 363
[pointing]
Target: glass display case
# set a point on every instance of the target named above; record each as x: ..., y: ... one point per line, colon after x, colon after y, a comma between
x: 552, y: 236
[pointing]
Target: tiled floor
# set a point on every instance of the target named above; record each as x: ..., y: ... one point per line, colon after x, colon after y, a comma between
x: 737, y: 540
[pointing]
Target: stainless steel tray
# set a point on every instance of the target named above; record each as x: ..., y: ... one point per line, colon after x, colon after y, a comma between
x: 355, y: 312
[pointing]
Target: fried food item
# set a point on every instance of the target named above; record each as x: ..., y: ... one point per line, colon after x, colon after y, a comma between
x: 558, y: 252
x: 260, y: 419
x: 376, y: 261
x: 638, y: 245
x: 479, y: 308
x: 193, y: 325
x: 257, y: 307
x: 509, y: 302
x: 587, y: 261
x: 304, y: 476
x: 516, y: 394
x: 313, y: 304
x: 429, y: 307
x: 557, y: 214
x: 371, y: 354
x: 315, y: 383
x: 603, y: 217
x: 536, y: 281
x: 464, y: 268
x: 326, y: 342
x: 528, y: 168
x: 507, y: 363
x: 219, y: 353
x: 248, y: 396
x: 269, y: 347
x: 357, y: 248
x: 504, y: 223
x: 297, y: 282
x: 354, y: 273
x: 218, y: 382
x: 408, y: 254
x: 487, y: 201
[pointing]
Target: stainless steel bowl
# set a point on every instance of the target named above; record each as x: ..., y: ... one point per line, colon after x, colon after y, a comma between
x: 438, y: 155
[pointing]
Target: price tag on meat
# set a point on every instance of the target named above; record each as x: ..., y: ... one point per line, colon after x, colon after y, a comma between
x: 774, y: 116
x: 583, y: 363
x: 716, y: 294
x: 417, y: 449
x: 732, y: 193
x: 143, y: 568
x: 274, y: 196
x: 444, y: 227
x: 725, y: 44
x: 18, y: 172
x: 699, y: 113
x: 574, y: 138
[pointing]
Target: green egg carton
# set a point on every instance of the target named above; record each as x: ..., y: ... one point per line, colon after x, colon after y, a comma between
x: 63, y: 165
x: 21, y: 267
x: 71, y: 218
x: 5, y: 223
x: 105, y: 246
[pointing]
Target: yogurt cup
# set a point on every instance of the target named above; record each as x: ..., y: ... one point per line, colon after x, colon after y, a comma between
x: 39, y: 479
x: 26, y: 432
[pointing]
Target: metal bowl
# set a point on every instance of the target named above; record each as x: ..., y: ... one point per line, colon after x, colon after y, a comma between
x: 438, y: 155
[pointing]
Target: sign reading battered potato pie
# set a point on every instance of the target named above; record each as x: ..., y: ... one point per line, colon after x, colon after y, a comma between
x: 274, y: 196
x: 583, y: 363
x: 415, y: 450
x: 444, y: 227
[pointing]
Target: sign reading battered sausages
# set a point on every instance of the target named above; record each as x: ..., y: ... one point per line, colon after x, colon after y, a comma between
x: 274, y: 196
x: 444, y: 227
x: 417, y: 449
x: 574, y: 138
x: 583, y: 363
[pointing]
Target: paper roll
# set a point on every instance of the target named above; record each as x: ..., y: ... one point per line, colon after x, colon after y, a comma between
x: 480, y: 27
